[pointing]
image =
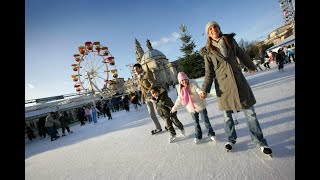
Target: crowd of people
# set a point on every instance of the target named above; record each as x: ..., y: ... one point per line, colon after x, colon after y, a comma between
x: 49, y: 125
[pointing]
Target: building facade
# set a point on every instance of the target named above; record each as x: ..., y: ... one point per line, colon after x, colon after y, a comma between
x: 156, y: 62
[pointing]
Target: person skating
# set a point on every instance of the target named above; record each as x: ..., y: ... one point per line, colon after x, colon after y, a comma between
x: 51, y: 121
x: 29, y: 132
x: 106, y: 108
x: 280, y: 59
x: 64, y: 123
x: 232, y: 89
x: 164, y: 105
x: 188, y: 95
x: 146, y: 81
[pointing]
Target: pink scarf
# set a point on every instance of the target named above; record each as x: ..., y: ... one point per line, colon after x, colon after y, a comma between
x: 186, y: 99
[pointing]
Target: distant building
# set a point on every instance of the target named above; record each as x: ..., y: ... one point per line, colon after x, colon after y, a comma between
x: 155, y: 61
x: 130, y: 86
x: 279, y: 34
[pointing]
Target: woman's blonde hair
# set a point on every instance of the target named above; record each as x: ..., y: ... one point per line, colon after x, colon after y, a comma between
x: 209, y: 44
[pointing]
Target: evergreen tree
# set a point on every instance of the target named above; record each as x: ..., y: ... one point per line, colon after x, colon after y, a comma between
x: 191, y: 62
x: 243, y: 44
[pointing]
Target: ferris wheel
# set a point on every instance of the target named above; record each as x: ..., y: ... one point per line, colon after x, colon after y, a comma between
x: 93, y: 75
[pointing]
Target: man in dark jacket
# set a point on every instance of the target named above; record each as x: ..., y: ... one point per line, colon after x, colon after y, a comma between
x: 64, y: 123
x: 29, y: 132
x: 41, y: 127
x: 280, y: 59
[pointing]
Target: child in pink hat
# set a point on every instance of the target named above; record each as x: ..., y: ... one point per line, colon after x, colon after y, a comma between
x: 188, y: 95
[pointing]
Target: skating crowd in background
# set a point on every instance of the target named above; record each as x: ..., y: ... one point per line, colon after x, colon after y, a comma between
x: 48, y: 126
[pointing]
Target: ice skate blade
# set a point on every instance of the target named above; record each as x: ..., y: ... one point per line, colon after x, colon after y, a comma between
x: 172, y: 141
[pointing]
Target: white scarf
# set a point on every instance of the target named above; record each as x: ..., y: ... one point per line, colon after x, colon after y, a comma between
x: 221, y: 46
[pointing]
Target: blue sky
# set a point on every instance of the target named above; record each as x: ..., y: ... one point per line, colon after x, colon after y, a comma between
x: 55, y: 29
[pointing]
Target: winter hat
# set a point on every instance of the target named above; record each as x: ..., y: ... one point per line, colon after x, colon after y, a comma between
x: 182, y: 76
x: 210, y: 24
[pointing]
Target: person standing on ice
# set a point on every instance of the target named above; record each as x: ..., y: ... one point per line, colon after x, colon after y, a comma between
x: 64, y: 123
x: 94, y: 112
x: 164, y: 105
x: 188, y: 95
x: 52, y: 120
x: 146, y: 81
x: 232, y: 89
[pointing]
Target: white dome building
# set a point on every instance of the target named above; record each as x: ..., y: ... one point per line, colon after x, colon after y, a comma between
x: 156, y: 62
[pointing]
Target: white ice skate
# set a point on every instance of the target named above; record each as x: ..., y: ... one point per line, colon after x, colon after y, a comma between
x: 183, y: 133
x: 213, y: 138
x: 172, y: 138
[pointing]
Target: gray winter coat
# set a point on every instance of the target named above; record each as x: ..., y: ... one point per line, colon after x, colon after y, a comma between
x: 51, y: 121
x: 232, y: 88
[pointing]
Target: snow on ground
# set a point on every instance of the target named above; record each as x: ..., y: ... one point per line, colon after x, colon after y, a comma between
x: 123, y: 148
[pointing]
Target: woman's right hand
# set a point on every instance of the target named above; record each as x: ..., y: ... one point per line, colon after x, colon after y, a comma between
x: 203, y: 95
x: 172, y: 112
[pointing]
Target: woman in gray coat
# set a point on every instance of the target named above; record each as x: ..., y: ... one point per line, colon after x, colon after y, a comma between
x: 232, y: 89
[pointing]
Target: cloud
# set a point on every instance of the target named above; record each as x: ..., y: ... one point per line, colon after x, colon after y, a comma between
x: 30, y: 86
x: 165, y: 40
x: 29, y: 91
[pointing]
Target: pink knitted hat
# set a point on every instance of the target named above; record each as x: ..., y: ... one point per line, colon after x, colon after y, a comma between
x: 182, y: 76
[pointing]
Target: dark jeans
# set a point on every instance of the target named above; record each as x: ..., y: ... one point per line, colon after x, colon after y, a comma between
x: 280, y: 65
x: 82, y: 122
x: 291, y: 55
x: 42, y: 132
x: 266, y: 65
x: 205, y: 118
x: 89, y: 118
x: 52, y: 132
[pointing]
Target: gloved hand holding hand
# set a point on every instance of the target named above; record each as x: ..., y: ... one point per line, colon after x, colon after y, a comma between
x: 172, y: 112
x: 203, y: 95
